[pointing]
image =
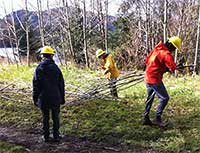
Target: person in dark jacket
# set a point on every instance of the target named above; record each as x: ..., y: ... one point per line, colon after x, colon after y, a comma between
x: 48, y: 91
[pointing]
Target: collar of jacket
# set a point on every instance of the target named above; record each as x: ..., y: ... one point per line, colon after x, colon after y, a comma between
x: 47, y: 61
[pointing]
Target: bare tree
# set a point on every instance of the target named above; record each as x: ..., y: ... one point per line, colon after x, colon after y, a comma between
x: 27, y: 33
x: 100, y: 17
x: 41, y: 26
x: 106, y: 25
x: 10, y: 32
x: 84, y: 35
x: 147, y: 25
x: 15, y: 36
x: 197, y: 51
x: 165, y: 21
x: 69, y: 33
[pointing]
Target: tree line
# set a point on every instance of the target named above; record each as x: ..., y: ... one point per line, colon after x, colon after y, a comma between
x: 76, y: 31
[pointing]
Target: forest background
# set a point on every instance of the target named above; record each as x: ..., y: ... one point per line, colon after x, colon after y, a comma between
x: 76, y: 29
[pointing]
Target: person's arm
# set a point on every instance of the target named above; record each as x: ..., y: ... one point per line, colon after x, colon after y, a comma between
x: 36, y: 87
x: 108, y: 65
x: 169, y: 62
x: 62, y: 87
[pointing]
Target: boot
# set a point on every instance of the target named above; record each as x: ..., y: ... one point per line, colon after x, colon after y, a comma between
x: 158, y: 121
x: 57, y: 137
x: 46, y: 138
x: 147, y: 121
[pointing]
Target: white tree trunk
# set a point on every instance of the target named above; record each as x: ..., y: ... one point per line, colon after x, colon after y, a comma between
x: 165, y: 21
x: 69, y: 33
x: 106, y: 25
x: 84, y: 35
x: 41, y: 27
x: 197, y: 44
x: 8, y: 26
x: 16, y: 39
x: 27, y: 34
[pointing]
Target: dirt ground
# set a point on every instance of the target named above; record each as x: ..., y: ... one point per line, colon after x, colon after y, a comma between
x: 32, y: 140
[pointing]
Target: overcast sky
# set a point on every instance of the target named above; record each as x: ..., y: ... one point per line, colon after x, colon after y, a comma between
x: 32, y: 4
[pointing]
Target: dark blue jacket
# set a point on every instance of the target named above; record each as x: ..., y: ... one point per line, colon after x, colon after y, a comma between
x: 48, y: 85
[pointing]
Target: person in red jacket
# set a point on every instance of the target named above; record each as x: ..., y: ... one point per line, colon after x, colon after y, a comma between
x: 159, y: 61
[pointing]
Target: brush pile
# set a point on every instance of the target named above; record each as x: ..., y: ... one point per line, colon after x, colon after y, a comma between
x: 75, y: 95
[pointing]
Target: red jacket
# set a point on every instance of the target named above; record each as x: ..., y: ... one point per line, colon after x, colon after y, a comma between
x: 158, y: 61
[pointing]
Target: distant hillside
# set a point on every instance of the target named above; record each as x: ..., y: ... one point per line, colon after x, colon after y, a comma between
x: 20, y: 15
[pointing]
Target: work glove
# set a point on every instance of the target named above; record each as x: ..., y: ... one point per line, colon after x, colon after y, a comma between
x: 180, y: 67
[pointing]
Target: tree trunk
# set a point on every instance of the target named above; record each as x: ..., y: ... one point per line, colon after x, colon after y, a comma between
x: 16, y: 39
x: 69, y: 34
x: 197, y: 44
x: 9, y: 36
x: 41, y: 27
x: 165, y: 21
x: 27, y: 34
x: 147, y: 9
x: 100, y: 17
x: 106, y: 25
x: 84, y: 36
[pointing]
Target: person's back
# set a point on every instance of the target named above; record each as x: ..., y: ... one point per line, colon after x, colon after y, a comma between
x: 51, y: 83
x: 110, y: 64
x: 159, y: 61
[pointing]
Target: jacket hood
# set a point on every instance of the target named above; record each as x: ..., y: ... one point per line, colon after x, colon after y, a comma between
x: 161, y: 46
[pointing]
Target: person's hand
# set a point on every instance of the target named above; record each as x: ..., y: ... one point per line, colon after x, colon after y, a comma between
x: 105, y: 72
x: 167, y: 69
x: 103, y: 68
x: 170, y: 71
x: 180, y: 67
x: 63, y: 102
x: 36, y: 104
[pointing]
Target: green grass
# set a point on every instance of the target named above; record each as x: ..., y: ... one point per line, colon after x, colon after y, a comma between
x: 6, y: 147
x: 115, y: 122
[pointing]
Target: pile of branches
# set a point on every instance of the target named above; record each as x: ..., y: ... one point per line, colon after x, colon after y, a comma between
x: 11, y: 91
x: 75, y: 95
x: 102, y: 89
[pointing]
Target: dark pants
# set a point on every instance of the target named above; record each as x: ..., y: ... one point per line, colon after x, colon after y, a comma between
x: 113, y: 89
x: 159, y: 90
x: 56, y: 121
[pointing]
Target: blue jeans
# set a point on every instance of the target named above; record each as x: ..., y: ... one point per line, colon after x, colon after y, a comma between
x: 56, y: 121
x: 159, y: 90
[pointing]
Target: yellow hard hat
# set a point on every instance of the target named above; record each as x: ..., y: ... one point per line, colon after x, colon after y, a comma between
x: 99, y: 52
x: 47, y: 50
x: 176, y: 41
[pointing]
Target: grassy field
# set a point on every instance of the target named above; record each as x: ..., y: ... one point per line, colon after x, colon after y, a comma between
x: 114, y: 122
x: 11, y: 148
